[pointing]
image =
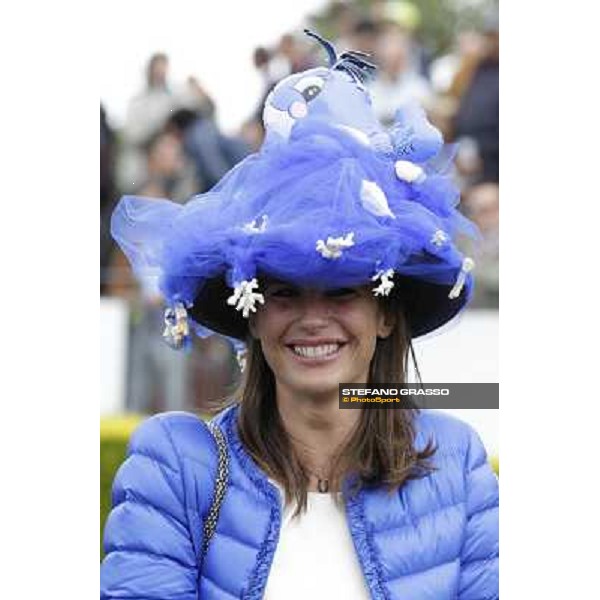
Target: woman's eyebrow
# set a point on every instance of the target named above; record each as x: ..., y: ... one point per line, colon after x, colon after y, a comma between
x: 269, y: 279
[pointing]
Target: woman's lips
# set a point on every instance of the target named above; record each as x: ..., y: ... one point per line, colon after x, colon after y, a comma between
x: 316, y: 353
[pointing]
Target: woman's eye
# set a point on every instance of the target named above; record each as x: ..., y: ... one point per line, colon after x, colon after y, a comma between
x: 283, y: 293
x: 311, y: 92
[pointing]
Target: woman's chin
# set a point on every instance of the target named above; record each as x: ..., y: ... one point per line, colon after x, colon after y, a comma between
x: 316, y: 376
x: 317, y: 384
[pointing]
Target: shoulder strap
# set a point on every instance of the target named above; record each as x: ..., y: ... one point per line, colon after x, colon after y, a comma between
x: 221, y: 482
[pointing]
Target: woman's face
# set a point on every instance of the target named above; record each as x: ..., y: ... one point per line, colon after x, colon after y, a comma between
x: 313, y: 340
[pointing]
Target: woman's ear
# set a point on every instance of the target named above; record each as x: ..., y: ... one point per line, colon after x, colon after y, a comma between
x: 386, y: 323
x: 252, y: 326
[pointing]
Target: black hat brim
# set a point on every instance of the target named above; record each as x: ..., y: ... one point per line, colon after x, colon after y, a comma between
x: 426, y: 305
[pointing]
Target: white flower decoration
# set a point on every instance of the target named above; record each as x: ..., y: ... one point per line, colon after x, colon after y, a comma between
x: 332, y: 248
x: 254, y: 227
x: 374, y: 200
x: 241, y: 357
x: 244, y: 297
x: 386, y: 285
x: 409, y: 171
x: 177, y: 328
x: 439, y: 238
x: 467, y: 266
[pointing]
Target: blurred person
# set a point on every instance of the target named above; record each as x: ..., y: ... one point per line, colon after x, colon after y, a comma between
x: 148, y: 110
x: 398, y: 82
x: 294, y: 53
x: 198, y: 99
x: 364, y: 36
x: 477, y: 116
x: 157, y: 378
x: 326, y: 280
x: 169, y: 173
x: 449, y: 74
x: 289, y: 56
x: 450, y: 71
x: 211, y: 152
x: 405, y: 17
x: 108, y: 192
x: 342, y: 17
x: 261, y: 59
x: 469, y: 165
x: 253, y: 133
x: 481, y: 204
x: 147, y: 114
x: 252, y: 130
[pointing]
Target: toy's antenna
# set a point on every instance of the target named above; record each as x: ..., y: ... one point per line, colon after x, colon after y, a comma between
x: 331, y: 53
x: 353, y: 61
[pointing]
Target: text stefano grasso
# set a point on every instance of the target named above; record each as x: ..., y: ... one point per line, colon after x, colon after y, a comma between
x: 395, y: 391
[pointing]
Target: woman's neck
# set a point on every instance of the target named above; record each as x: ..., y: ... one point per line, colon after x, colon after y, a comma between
x: 317, y: 428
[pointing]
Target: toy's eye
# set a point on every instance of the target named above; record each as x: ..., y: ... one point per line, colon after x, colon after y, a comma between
x: 311, y: 92
x: 310, y: 87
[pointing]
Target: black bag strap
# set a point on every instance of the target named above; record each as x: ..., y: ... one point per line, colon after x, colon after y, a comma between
x: 221, y: 481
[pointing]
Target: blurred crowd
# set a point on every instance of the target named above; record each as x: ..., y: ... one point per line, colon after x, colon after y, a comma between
x: 170, y: 146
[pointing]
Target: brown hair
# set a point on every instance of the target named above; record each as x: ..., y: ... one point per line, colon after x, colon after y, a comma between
x: 380, y: 450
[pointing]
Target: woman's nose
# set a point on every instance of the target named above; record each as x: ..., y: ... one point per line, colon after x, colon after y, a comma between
x: 316, y: 311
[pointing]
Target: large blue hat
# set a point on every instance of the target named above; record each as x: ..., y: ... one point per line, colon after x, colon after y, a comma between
x: 332, y: 199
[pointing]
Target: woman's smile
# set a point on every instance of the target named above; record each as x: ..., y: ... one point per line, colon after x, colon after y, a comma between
x: 316, y: 353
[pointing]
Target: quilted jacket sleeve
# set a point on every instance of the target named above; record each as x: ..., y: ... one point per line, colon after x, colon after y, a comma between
x: 479, y: 555
x: 149, y: 550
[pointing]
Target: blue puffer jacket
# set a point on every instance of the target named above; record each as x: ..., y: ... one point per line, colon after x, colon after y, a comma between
x: 436, y: 539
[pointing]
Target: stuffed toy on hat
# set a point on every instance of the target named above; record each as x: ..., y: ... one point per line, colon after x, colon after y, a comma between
x: 331, y: 200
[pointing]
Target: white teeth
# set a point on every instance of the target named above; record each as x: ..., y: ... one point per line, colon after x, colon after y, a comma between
x: 316, y: 351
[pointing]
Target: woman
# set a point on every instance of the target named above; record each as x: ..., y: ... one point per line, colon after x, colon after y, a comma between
x: 336, y: 239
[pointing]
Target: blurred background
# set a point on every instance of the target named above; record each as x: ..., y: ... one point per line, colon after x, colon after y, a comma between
x: 181, y: 95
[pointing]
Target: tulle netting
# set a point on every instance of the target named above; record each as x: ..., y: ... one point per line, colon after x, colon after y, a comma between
x: 268, y: 214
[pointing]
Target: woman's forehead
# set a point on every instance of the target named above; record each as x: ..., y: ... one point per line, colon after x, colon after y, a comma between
x: 268, y: 280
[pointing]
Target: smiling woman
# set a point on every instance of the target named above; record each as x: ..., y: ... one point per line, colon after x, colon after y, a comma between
x: 326, y: 260
x: 304, y: 343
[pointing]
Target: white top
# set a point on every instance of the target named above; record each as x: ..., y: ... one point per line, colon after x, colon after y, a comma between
x: 315, y: 556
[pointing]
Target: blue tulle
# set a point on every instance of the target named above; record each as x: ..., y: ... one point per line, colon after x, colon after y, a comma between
x: 269, y: 212
x: 331, y: 200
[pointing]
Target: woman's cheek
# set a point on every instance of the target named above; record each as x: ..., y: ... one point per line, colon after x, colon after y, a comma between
x: 275, y: 307
x: 358, y: 316
x: 272, y: 321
